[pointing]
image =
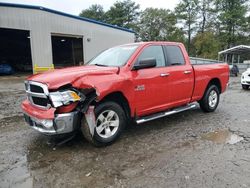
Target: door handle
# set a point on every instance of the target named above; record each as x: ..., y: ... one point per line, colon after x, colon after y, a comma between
x: 164, y: 74
x: 187, y: 72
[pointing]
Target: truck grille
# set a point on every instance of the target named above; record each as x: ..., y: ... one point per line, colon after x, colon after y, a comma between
x: 37, y: 94
x: 36, y: 89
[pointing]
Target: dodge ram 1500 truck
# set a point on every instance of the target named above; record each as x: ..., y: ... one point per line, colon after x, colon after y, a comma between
x: 135, y: 82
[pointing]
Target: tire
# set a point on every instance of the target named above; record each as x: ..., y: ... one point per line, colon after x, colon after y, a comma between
x: 110, y: 122
x: 211, y: 99
x: 245, y: 87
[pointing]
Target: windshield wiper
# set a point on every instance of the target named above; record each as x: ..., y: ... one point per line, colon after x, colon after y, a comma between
x: 101, y: 65
x: 176, y: 64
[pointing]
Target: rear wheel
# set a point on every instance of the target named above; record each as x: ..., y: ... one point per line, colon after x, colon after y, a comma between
x: 110, y: 121
x: 211, y: 99
x: 245, y: 87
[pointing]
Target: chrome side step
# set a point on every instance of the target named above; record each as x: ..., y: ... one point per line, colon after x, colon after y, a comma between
x: 163, y: 114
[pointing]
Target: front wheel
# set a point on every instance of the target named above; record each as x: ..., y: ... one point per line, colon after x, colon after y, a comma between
x: 110, y: 121
x: 211, y: 99
x: 245, y: 87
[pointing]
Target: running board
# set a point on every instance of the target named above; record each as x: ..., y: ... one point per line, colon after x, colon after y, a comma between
x: 163, y: 114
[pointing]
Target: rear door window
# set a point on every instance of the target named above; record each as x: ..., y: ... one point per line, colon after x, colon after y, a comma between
x: 174, y: 55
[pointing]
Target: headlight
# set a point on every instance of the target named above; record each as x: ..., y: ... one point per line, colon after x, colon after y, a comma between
x: 60, y: 98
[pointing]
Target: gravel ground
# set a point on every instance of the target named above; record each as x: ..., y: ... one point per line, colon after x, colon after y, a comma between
x: 190, y: 149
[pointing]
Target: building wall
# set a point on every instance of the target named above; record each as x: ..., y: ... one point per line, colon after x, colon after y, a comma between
x: 43, y: 24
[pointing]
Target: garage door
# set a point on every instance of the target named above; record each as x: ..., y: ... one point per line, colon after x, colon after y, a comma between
x: 67, y: 51
x: 15, y: 49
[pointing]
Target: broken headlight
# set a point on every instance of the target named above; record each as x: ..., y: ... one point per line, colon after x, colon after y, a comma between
x: 60, y: 98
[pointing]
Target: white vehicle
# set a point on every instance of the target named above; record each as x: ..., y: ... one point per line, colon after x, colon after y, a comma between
x: 245, y: 79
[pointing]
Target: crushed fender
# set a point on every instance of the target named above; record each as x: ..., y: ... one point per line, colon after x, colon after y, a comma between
x: 90, y: 96
x: 90, y: 118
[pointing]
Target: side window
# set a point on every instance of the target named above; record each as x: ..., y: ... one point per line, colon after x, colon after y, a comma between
x: 174, y: 55
x: 155, y: 52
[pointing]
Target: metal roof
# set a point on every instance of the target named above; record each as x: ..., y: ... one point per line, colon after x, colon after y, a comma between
x: 236, y: 50
x: 63, y: 14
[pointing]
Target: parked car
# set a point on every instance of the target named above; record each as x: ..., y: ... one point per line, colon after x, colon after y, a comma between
x: 6, y: 69
x: 245, y: 79
x: 136, y: 82
x: 234, y: 70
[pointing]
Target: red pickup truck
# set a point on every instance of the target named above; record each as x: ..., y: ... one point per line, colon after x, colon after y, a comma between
x: 135, y: 82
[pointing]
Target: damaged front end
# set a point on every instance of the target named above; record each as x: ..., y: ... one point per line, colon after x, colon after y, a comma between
x: 89, y: 110
x: 58, y: 112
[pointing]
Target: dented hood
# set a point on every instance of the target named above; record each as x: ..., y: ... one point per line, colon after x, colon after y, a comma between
x: 60, y: 77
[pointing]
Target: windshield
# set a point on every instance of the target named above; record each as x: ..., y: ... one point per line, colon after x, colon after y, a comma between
x: 114, y: 57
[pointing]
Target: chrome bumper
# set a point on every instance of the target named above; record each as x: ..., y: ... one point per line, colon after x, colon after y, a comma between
x: 61, y: 124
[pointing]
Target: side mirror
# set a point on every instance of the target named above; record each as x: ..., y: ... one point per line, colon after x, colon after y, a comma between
x: 145, y: 63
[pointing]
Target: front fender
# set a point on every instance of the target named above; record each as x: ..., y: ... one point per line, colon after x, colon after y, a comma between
x: 105, y: 85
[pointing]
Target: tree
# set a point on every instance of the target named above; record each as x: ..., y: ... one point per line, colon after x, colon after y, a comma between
x: 206, y: 30
x: 243, y: 34
x: 204, y: 26
x: 158, y: 24
x: 123, y: 13
x: 207, y: 15
x: 187, y: 12
x: 95, y: 12
x: 207, y: 45
x: 232, y: 17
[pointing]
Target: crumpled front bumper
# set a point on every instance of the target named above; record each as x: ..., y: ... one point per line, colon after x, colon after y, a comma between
x: 51, y: 124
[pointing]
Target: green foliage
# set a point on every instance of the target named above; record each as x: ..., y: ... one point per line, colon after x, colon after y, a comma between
x: 206, y: 45
x: 159, y: 24
x: 204, y: 26
x: 123, y: 14
x: 232, y: 17
x: 95, y: 12
x: 186, y: 11
x: 206, y: 15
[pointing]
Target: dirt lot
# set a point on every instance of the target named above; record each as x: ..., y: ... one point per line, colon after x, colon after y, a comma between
x: 191, y: 149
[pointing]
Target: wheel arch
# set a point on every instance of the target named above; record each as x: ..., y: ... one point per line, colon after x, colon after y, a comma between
x: 216, y: 82
x: 213, y: 81
x: 119, y: 98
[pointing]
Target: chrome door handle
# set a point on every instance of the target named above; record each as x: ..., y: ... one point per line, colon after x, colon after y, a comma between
x: 187, y: 72
x: 164, y: 74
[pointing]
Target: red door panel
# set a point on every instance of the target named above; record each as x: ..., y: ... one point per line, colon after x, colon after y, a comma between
x: 181, y: 76
x: 151, y: 90
x: 181, y: 83
x: 151, y: 84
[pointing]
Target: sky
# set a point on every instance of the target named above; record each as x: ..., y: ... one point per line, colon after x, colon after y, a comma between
x: 76, y: 6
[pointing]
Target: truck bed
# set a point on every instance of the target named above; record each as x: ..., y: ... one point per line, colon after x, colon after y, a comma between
x: 205, y: 73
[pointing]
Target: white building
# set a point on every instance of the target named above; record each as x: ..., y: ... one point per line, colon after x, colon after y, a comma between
x: 33, y: 36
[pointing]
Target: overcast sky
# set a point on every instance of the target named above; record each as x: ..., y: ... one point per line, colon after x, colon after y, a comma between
x: 75, y: 6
